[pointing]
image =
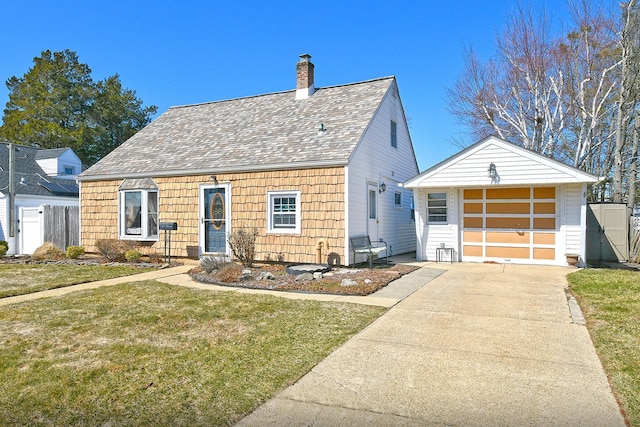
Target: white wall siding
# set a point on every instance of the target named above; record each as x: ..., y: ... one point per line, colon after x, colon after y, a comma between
x: 434, y: 235
x: 4, y: 226
x: 575, y: 220
x: 376, y: 161
x: 512, y: 168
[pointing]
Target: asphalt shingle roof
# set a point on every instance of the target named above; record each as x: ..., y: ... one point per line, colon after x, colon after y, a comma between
x: 258, y: 132
x: 28, y: 170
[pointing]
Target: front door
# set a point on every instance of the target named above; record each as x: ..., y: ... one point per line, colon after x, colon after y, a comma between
x: 215, y: 219
x: 372, y: 211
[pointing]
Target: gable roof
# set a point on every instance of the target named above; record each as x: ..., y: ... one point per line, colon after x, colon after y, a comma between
x: 515, y: 166
x: 272, y: 131
x: 27, y: 170
x: 50, y: 153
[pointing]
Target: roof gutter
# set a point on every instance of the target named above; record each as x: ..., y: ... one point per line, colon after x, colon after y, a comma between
x: 221, y: 170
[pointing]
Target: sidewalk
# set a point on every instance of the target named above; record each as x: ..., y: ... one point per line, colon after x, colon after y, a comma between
x: 159, y: 274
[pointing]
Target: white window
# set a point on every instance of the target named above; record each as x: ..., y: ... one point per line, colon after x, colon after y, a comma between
x: 394, y: 134
x: 283, y: 212
x: 139, y: 214
x: 413, y: 210
x: 437, y: 208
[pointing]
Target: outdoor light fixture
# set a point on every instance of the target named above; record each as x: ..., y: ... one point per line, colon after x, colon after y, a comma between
x: 214, y: 179
x: 491, y: 172
x: 382, y: 187
x: 23, y: 181
x: 321, y: 129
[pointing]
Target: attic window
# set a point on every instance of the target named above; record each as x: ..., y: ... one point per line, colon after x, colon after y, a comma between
x: 68, y: 170
x: 394, y: 134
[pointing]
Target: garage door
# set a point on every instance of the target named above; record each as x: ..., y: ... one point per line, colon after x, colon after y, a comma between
x: 510, y: 224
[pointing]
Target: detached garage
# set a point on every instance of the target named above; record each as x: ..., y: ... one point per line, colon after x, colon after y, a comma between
x: 496, y: 201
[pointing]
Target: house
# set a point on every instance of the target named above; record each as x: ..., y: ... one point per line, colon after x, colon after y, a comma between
x: 498, y: 202
x: 307, y: 168
x: 40, y: 177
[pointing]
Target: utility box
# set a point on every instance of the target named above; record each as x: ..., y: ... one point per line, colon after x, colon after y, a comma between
x: 168, y: 226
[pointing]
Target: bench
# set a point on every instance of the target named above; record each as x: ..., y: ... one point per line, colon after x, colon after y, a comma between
x: 363, y: 245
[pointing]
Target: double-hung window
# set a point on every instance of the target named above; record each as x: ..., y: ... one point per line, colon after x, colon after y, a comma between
x: 437, y: 208
x: 283, y: 212
x: 138, y: 210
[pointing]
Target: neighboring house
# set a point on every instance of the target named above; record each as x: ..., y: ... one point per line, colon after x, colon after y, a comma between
x: 497, y: 202
x: 36, y: 183
x: 298, y: 166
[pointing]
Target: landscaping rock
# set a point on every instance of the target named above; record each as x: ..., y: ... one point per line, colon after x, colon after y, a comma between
x: 265, y: 275
x: 246, y: 272
x: 348, y: 282
x: 367, y: 281
x: 304, y: 277
x: 317, y: 275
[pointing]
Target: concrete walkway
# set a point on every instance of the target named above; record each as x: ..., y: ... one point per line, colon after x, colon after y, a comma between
x: 480, y: 345
x: 159, y: 274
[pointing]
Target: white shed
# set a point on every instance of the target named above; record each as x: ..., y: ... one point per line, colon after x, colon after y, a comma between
x: 495, y: 201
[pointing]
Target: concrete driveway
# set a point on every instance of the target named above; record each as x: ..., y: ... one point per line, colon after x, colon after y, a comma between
x: 480, y: 345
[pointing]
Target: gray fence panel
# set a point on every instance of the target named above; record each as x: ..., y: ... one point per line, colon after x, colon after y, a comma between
x: 62, y: 225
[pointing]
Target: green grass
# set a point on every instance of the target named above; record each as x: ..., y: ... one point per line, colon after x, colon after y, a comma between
x: 610, y: 300
x: 20, y: 279
x: 147, y: 353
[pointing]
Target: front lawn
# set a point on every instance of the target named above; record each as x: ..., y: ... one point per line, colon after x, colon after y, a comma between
x: 610, y: 300
x: 148, y: 353
x: 20, y: 279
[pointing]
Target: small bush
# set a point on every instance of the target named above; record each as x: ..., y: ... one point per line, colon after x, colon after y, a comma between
x: 211, y: 263
x: 113, y: 249
x: 230, y: 273
x: 47, y: 252
x: 243, y: 245
x: 4, y: 247
x: 74, y: 252
x: 133, y: 255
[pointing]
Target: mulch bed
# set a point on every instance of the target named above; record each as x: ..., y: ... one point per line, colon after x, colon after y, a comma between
x: 363, y: 281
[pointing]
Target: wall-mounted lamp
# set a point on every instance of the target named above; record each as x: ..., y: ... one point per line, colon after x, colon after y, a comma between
x: 321, y: 129
x: 23, y: 181
x: 213, y: 179
x: 382, y: 187
x: 491, y: 172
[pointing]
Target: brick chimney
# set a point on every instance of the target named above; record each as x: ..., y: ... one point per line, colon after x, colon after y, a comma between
x: 304, y: 73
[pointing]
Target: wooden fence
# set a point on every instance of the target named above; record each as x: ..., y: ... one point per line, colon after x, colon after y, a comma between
x: 62, y: 225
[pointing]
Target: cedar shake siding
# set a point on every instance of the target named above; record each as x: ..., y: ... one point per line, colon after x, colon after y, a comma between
x: 322, y: 212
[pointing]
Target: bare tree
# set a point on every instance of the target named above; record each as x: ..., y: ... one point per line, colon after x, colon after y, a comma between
x: 573, y: 97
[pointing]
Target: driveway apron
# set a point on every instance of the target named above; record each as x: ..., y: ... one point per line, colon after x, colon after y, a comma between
x: 481, y: 344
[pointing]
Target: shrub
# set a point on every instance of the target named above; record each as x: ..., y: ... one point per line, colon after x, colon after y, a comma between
x: 47, y: 252
x: 113, y: 249
x: 74, y: 252
x: 4, y: 247
x: 230, y: 273
x: 211, y: 263
x: 243, y: 245
x: 133, y: 255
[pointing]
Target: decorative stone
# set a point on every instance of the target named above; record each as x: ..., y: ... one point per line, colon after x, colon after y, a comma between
x: 304, y: 277
x: 348, y: 282
x: 246, y: 272
x: 317, y: 275
x: 265, y: 275
x: 367, y: 281
x: 329, y: 274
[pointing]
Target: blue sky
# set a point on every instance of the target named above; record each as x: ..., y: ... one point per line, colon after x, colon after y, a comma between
x: 176, y: 53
